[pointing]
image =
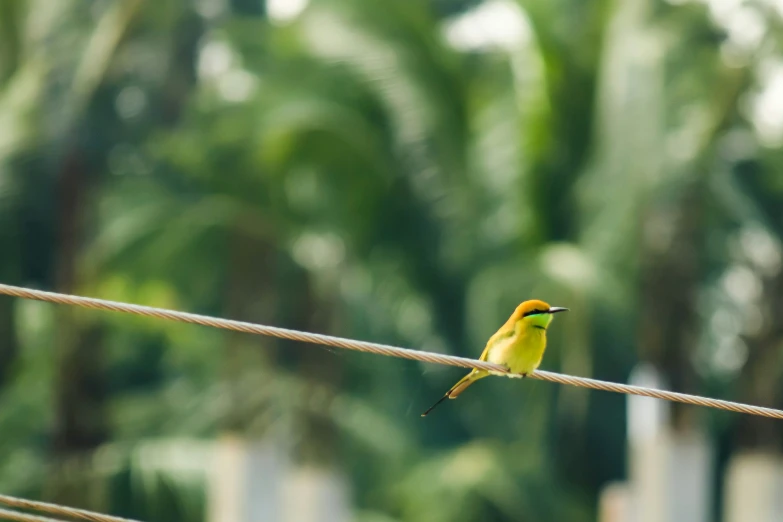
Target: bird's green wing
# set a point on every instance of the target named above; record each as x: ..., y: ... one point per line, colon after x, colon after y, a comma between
x: 503, y: 333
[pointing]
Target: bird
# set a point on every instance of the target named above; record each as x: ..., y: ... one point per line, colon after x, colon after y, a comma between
x: 518, y: 345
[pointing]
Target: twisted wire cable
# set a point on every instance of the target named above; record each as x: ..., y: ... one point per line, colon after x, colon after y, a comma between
x: 54, y: 509
x: 18, y: 516
x: 381, y: 349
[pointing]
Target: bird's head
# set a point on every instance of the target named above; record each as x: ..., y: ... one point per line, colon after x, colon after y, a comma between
x: 536, y: 313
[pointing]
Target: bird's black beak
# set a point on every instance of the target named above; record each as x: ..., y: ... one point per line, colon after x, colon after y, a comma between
x: 556, y: 309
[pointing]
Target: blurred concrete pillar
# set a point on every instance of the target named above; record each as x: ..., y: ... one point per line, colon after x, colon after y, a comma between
x: 614, y: 503
x: 647, y: 448
x: 256, y: 482
x: 670, y: 474
x: 246, y: 482
x: 754, y: 488
x: 691, y: 472
x: 316, y: 495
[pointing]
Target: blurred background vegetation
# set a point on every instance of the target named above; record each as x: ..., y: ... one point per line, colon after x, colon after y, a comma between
x: 404, y: 172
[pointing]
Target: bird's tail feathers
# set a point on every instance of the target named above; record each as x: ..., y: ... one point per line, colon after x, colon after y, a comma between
x: 458, y: 388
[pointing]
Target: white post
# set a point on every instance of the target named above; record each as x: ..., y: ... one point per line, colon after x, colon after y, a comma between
x: 256, y: 482
x: 246, y: 483
x: 691, y: 469
x: 647, y: 450
x: 614, y: 503
x: 754, y: 488
x: 316, y: 495
x: 670, y: 473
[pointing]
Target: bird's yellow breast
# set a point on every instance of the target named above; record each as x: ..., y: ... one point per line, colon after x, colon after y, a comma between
x: 521, y: 352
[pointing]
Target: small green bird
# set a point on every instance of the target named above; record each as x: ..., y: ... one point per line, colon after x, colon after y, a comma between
x: 518, y: 345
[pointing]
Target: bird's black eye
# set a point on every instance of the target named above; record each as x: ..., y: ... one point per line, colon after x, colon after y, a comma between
x: 534, y: 312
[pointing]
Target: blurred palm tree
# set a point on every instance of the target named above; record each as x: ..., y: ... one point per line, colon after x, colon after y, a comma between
x: 384, y: 173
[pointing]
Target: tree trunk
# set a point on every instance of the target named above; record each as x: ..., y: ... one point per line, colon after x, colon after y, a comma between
x: 9, y: 347
x: 80, y: 419
x: 250, y: 296
x: 671, y: 270
x: 9, y: 273
x: 321, y: 371
x: 761, y: 377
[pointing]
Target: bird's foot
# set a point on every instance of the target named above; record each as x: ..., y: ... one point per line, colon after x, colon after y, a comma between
x: 515, y: 375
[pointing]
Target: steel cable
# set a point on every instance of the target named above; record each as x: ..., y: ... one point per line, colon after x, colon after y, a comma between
x: 380, y: 349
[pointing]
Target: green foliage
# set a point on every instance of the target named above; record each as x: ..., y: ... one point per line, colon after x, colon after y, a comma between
x: 360, y: 170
